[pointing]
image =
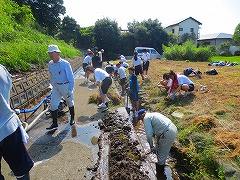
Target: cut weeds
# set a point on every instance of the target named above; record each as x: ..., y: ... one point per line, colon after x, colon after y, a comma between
x: 209, y: 129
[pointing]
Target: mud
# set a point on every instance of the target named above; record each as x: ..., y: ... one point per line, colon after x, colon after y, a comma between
x: 119, y: 147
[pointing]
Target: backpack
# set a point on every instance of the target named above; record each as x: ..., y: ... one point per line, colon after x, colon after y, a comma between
x: 188, y: 71
x: 211, y: 72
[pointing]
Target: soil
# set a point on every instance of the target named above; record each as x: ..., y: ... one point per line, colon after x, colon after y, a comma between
x: 124, y: 158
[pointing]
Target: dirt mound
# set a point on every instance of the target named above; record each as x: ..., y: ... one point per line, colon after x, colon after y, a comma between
x: 124, y: 158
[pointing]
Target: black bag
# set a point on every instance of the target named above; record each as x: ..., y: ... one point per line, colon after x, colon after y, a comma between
x: 211, y: 72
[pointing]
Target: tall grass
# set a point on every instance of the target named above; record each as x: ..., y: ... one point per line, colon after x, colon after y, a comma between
x: 21, y: 45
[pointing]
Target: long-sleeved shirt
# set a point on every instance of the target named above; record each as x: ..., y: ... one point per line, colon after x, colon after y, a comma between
x: 155, y: 124
x: 61, y: 72
x: 9, y: 121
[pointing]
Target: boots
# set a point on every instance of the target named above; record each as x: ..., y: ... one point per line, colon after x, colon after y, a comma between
x: 160, y: 172
x: 25, y: 177
x: 54, y: 122
x: 71, y: 109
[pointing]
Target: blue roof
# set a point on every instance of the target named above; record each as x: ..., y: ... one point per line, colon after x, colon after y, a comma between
x: 216, y: 36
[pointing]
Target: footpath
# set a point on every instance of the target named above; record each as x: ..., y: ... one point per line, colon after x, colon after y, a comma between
x: 67, y: 152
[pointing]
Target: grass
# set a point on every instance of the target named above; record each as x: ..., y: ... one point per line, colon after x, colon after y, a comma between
x: 226, y: 58
x: 209, y: 129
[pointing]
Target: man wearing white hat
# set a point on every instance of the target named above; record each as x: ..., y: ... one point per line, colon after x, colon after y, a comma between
x: 62, y: 80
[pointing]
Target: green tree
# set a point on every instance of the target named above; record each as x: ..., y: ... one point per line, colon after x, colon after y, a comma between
x: 149, y: 33
x: 236, y: 35
x: 188, y: 37
x: 127, y: 43
x: 86, y: 40
x: 107, y: 37
x: 47, y: 13
x: 70, y: 30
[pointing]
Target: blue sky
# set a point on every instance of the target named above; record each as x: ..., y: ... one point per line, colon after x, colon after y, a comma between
x: 216, y: 16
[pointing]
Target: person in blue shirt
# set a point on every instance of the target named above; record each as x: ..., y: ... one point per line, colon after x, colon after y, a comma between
x: 12, y: 134
x: 134, y: 88
x: 62, y: 80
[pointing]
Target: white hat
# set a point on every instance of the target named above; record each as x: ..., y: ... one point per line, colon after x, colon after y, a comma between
x: 53, y: 48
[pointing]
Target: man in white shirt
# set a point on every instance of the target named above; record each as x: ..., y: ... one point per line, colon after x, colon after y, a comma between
x: 146, y: 58
x: 122, y: 74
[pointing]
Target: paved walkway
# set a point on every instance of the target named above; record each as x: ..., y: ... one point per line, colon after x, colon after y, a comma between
x: 67, y: 152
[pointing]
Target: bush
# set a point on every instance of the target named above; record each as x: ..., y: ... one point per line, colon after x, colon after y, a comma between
x: 225, y: 53
x: 187, y: 51
x: 237, y: 53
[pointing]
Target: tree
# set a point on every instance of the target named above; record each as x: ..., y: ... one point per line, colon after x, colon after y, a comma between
x: 149, y: 33
x: 188, y: 37
x: 86, y: 40
x: 70, y: 30
x: 47, y: 13
x: 107, y: 37
x: 236, y: 35
x: 127, y: 43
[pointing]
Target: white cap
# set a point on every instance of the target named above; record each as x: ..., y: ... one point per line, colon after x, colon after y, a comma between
x: 53, y: 48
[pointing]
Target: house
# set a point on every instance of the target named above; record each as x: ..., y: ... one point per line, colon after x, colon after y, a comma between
x: 180, y: 27
x: 214, y: 39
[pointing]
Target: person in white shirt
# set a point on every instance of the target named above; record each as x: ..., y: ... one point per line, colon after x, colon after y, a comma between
x: 161, y: 127
x: 122, y: 58
x: 122, y: 74
x: 12, y: 134
x: 137, y: 64
x: 146, y: 58
x: 62, y: 80
x: 183, y: 83
x: 87, y: 61
x: 103, y: 81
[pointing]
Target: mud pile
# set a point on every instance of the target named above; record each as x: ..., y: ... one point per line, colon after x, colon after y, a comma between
x: 119, y: 155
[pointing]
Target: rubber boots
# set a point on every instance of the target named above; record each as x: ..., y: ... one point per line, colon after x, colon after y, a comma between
x: 54, y: 122
x: 160, y: 172
x: 25, y: 177
x: 71, y: 109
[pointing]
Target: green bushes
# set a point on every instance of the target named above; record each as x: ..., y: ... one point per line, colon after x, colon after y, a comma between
x: 187, y: 51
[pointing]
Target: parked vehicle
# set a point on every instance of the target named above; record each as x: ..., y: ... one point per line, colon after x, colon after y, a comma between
x: 153, y: 53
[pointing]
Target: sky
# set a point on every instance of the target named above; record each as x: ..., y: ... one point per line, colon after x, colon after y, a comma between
x: 216, y: 16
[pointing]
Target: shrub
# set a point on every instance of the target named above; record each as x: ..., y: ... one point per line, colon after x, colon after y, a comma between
x: 187, y: 51
x: 237, y: 53
x: 225, y: 53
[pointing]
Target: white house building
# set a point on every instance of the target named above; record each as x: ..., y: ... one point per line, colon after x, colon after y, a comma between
x: 180, y: 27
x: 215, y: 39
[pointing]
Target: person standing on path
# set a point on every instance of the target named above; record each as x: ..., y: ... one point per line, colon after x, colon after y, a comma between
x: 62, y: 80
x: 122, y: 75
x: 12, y: 134
x: 137, y: 64
x: 146, y: 58
x: 165, y: 132
x: 103, y: 81
x: 100, y: 54
x: 134, y: 88
x: 86, y: 62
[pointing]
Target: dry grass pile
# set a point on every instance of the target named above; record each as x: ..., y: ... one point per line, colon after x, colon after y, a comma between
x: 227, y: 139
x: 205, y: 122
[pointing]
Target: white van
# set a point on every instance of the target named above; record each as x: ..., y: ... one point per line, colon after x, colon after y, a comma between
x: 153, y: 53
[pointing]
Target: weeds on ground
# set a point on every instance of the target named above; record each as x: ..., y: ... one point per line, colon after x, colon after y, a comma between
x: 204, y: 112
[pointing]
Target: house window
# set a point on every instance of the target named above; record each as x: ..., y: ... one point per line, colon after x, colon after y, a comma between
x: 191, y: 30
x: 180, y: 29
x: 173, y: 31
